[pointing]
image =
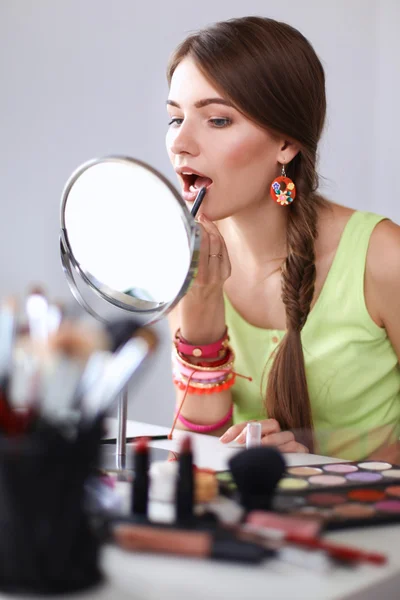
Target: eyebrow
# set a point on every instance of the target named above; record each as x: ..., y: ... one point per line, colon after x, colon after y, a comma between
x: 202, y: 103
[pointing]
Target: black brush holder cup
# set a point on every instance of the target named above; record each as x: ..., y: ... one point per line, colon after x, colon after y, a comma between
x: 46, y: 543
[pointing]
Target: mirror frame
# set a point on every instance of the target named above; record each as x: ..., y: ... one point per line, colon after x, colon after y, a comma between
x: 147, y: 311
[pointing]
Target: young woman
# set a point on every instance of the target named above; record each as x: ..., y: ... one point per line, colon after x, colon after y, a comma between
x: 298, y: 293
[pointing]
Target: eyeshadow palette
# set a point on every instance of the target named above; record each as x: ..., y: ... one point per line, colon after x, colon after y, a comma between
x: 339, y: 475
x: 342, y: 494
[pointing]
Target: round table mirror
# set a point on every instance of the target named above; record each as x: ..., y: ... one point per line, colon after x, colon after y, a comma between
x: 128, y: 238
x: 127, y: 234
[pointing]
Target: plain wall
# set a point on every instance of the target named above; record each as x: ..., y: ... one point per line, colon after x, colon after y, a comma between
x: 85, y: 78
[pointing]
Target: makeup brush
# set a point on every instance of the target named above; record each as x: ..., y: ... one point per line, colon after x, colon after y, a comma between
x: 69, y: 351
x: 36, y: 307
x: 11, y: 422
x: 124, y: 364
x: 120, y: 331
x: 55, y: 315
x: 217, y: 545
x: 198, y: 201
x: 256, y: 472
x: 7, y: 338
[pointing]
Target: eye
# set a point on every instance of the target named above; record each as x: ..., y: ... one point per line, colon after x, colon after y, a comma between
x: 175, y: 122
x: 220, y: 122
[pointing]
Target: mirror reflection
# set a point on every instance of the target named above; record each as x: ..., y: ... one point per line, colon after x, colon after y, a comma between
x: 128, y: 231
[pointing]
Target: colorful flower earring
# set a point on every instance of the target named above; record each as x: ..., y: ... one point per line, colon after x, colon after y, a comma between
x: 283, y: 190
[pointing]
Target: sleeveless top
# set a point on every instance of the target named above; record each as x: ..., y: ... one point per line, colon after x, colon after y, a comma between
x: 352, y: 369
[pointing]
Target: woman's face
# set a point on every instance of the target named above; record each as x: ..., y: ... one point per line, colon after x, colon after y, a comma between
x: 207, y: 135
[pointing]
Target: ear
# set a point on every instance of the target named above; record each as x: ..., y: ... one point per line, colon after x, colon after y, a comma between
x: 287, y: 151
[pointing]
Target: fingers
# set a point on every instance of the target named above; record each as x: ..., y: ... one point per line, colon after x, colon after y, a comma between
x: 293, y: 447
x: 271, y: 435
x: 231, y: 433
x: 203, y: 256
x: 238, y: 432
x: 215, y: 255
x: 278, y: 439
x: 268, y: 427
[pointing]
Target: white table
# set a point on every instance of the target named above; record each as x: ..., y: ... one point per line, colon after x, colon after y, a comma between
x: 150, y: 577
x: 136, y: 576
x: 208, y: 451
x: 145, y: 577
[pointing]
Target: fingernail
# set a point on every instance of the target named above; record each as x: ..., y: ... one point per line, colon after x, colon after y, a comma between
x: 224, y: 438
x: 240, y: 438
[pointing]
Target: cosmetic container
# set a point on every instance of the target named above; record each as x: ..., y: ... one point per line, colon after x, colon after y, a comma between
x: 253, y: 434
x: 47, y: 545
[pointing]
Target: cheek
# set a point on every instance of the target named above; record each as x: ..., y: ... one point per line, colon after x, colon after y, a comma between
x: 249, y: 154
x: 247, y: 166
x: 168, y: 143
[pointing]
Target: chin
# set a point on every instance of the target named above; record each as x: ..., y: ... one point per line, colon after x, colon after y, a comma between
x: 216, y: 215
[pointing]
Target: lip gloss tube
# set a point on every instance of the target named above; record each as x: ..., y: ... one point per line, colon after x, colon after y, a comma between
x: 253, y: 434
x: 140, y: 485
x: 185, y: 483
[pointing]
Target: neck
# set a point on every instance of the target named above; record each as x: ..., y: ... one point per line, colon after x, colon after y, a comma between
x: 257, y: 233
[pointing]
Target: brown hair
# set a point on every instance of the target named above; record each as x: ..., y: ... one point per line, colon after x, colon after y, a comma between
x: 286, y: 81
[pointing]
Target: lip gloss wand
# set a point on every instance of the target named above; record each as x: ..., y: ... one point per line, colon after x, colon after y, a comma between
x: 198, y: 201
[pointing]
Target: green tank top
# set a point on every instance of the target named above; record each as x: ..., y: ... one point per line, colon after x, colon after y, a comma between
x: 351, y: 367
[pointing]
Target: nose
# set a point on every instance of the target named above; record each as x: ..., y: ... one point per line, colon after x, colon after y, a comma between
x: 183, y: 141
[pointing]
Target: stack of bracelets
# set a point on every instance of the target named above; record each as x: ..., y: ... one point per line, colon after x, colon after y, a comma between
x: 209, y: 376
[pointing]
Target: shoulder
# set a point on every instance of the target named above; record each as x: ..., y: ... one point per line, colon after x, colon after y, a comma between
x: 383, y: 257
x: 382, y: 274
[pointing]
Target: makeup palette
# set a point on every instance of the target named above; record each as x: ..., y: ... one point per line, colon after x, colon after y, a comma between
x: 342, y: 494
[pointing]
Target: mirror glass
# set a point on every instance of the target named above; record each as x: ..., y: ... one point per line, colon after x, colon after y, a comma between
x: 128, y: 233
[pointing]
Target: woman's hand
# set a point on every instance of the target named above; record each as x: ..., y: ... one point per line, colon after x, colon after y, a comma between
x: 201, y: 310
x: 214, y: 264
x: 271, y: 435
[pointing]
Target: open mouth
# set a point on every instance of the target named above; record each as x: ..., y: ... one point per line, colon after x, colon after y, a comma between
x: 192, y: 182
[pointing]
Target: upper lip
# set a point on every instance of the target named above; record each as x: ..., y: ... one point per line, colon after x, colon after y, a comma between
x: 187, y: 169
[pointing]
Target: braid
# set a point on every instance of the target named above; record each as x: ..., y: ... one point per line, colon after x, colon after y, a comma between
x: 287, y: 393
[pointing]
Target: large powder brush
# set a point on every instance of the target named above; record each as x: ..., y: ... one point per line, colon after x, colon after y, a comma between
x: 120, y: 331
x: 256, y: 473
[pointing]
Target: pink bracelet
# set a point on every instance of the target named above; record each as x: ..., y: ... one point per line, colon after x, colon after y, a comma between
x: 214, y: 350
x: 191, y: 380
x: 206, y: 428
x: 199, y: 374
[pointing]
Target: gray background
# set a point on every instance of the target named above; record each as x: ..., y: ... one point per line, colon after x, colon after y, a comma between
x: 85, y: 78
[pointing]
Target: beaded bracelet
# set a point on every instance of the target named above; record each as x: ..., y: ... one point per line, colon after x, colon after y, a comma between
x: 191, y: 388
x: 186, y: 371
x: 205, y: 384
x: 206, y: 428
x: 206, y: 379
x: 194, y: 378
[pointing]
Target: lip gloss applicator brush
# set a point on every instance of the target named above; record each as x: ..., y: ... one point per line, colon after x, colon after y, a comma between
x: 198, y: 201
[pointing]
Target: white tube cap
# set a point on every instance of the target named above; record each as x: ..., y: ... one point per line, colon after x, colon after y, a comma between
x: 253, y: 434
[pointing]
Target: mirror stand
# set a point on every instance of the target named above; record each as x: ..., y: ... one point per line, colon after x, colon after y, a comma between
x: 114, y: 458
x: 113, y: 450
x: 122, y: 417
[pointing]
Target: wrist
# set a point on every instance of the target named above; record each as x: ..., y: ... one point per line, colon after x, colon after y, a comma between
x: 203, y: 323
x: 204, y: 336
